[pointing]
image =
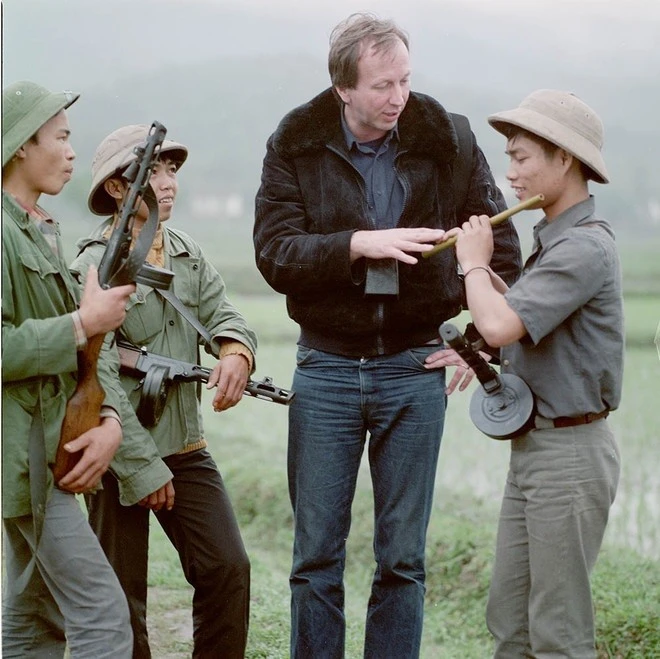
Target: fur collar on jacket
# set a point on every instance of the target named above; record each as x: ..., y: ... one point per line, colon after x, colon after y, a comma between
x: 425, y: 128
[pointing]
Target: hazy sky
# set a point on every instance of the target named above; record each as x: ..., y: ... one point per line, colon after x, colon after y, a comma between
x: 641, y: 10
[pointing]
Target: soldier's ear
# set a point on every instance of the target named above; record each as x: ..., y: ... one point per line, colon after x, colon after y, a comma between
x: 115, y: 188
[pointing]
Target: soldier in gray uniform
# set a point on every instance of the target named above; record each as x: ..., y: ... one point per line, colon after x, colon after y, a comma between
x: 560, y: 327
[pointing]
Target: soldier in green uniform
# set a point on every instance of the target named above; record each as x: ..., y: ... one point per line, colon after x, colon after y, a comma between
x: 59, y: 587
x: 193, y: 508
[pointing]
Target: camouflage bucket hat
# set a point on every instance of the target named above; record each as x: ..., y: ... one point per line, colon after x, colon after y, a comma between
x: 563, y: 119
x: 114, y: 154
x: 26, y: 107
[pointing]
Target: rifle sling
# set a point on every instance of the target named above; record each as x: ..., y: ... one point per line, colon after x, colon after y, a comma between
x: 183, y: 311
x: 201, y: 330
x: 37, y: 470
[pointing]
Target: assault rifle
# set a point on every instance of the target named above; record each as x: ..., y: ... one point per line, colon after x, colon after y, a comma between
x: 158, y: 373
x: 120, y: 265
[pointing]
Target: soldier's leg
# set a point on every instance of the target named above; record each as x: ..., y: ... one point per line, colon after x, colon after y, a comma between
x: 123, y: 532
x: 203, y: 528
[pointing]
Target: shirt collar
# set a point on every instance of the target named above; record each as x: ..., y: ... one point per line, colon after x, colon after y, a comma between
x: 546, y: 231
x: 351, y: 140
x: 36, y: 214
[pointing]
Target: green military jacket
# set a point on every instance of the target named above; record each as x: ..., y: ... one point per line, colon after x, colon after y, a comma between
x: 153, y: 323
x: 39, y: 361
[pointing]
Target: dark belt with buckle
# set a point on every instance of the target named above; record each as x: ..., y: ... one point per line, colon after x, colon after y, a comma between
x: 569, y: 421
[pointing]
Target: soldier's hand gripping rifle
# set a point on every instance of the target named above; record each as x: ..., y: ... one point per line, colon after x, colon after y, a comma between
x: 120, y: 265
x: 503, y: 407
x: 158, y: 373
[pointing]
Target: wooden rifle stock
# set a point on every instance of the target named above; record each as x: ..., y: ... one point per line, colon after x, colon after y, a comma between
x: 83, y: 410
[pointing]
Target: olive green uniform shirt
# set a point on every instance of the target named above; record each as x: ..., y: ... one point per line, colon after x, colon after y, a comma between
x: 153, y: 323
x: 39, y: 361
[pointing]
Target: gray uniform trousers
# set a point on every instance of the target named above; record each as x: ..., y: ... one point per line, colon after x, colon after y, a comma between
x: 560, y: 486
x: 72, y: 596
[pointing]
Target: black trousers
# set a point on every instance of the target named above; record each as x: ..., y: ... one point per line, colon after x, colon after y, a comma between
x: 203, y: 529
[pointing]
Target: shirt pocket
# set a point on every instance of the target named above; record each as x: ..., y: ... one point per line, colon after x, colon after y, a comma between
x: 144, y: 316
x: 45, y: 287
x: 38, y: 269
x: 186, y: 284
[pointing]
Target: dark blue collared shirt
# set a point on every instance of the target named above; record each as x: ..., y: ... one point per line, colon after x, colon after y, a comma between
x: 375, y: 162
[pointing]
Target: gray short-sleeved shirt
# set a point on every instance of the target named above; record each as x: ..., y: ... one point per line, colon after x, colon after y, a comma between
x: 570, y: 301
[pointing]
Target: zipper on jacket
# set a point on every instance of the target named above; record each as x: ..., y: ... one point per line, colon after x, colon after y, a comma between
x: 380, y: 306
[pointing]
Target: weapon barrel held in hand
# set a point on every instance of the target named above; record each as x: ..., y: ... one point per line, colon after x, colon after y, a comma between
x: 495, y: 220
x: 158, y: 373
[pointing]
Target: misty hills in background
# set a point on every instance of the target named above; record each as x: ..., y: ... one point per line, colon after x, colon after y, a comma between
x: 220, y: 77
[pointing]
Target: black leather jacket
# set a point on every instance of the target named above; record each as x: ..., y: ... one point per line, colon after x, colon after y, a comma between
x: 310, y: 202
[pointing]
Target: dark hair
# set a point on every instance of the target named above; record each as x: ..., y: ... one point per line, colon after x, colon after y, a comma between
x: 549, y: 148
x: 347, y: 42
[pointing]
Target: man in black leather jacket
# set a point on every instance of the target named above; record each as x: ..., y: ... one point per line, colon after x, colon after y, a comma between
x: 356, y: 184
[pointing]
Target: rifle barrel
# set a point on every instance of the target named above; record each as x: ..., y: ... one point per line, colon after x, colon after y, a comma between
x: 496, y: 219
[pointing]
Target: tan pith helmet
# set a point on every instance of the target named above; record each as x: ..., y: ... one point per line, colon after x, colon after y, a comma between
x: 114, y: 154
x: 563, y: 119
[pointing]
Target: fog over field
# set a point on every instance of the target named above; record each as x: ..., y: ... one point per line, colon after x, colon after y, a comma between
x: 220, y: 74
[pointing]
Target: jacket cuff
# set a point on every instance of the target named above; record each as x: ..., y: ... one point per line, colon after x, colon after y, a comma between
x: 79, y: 331
x: 142, y: 483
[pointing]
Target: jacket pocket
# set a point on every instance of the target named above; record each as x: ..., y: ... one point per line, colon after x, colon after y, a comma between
x: 186, y: 282
x: 38, y: 264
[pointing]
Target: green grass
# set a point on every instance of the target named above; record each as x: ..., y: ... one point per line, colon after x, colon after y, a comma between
x: 642, y: 315
x: 249, y: 443
x: 460, y: 546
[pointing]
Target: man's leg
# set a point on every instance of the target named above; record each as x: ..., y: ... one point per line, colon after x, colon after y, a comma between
x: 326, y: 440
x: 32, y: 624
x: 572, y: 477
x: 203, y: 529
x: 123, y: 532
x: 80, y: 581
x: 508, y: 598
x: 405, y: 406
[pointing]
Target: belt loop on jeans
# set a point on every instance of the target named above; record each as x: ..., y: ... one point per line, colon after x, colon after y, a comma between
x: 569, y: 421
x: 435, y: 342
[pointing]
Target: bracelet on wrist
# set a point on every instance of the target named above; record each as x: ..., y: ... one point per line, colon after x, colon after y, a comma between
x: 477, y: 267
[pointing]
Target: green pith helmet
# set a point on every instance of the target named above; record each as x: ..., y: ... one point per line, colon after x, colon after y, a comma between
x: 26, y: 107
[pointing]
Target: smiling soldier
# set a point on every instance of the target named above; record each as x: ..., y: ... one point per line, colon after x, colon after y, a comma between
x: 193, y: 508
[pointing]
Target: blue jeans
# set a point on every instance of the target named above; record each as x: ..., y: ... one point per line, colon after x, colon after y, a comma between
x: 402, y: 407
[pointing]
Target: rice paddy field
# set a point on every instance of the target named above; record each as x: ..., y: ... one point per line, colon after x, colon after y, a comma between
x: 249, y: 443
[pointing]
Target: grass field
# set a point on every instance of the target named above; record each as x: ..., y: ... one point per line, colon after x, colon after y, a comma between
x: 249, y: 443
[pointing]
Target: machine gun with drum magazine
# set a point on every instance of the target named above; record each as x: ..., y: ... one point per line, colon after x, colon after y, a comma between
x: 158, y: 373
x: 503, y: 407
